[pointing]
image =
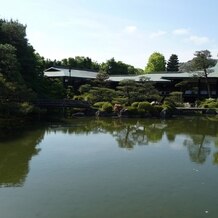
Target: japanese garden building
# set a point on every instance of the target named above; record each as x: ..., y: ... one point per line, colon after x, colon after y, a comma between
x: 191, y: 84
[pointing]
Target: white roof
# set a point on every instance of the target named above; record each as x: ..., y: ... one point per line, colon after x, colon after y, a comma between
x: 155, y: 77
x: 150, y: 77
x: 60, y: 72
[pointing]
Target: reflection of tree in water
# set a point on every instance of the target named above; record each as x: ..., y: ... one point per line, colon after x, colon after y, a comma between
x: 140, y: 133
x: 131, y: 132
x: 197, y: 129
x: 198, y: 148
x: 192, y: 126
x: 15, y: 156
x: 130, y: 135
x: 215, y: 155
x: 125, y: 138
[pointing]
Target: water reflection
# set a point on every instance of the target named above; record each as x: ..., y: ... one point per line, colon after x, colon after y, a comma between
x: 198, y: 148
x: 199, y: 136
x: 199, y: 133
x: 15, y: 155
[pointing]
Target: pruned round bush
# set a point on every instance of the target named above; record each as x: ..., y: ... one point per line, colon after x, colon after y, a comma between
x: 107, y: 107
x: 209, y: 103
x: 176, y: 97
x: 99, y: 104
x: 145, y: 106
x: 135, y: 104
x: 84, y: 88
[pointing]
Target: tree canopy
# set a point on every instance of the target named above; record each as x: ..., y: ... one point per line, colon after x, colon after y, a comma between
x: 21, y: 77
x: 201, y: 62
x: 113, y: 67
x: 79, y: 62
x: 156, y: 63
x: 173, y: 63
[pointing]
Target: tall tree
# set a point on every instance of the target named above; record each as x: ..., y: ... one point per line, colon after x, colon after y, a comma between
x: 173, y: 63
x: 201, y: 62
x: 101, y: 78
x: 156, y: 63
x: 14, y: 33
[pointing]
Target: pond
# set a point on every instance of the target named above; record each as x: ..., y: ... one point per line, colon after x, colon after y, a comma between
x: 119, y: 168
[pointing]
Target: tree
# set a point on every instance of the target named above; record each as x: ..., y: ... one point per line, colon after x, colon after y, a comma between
x: 156, y: 63
x: 99, y: 94
x: 128, y: 90
x: 79, y: 62
x: 132, y: 91
x: 85, y: 88
x: 113, y: 67
x: 9, y: 66
x: 30, y: 64
x: 202, y: 61
x: 102, y: 77
x: 146, y: 90
x: 186, y: 66
x: 12, y: 85
x: 173, y: 63
x: 53, y: 88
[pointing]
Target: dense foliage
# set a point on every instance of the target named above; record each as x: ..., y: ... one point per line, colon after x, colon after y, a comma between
x: 173, y: 63
x: 201, y: 63
x: 156, y: 63
x: 21, y: 77
x: 111, y: 66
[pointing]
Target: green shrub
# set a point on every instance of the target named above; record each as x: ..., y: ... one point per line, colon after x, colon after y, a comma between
x: 119, y: 100
x: 209, y: 103
x: 78, y: 98
x: 99, y: 104
x: 132, y: 110
x: 135, y: 104
x: 85, y: 88
x: 176, y: 97
x: 107, y: 107
x: 26, y: 108
x: 156, y: 110
x: 145, y: 106
x: 170, y: 105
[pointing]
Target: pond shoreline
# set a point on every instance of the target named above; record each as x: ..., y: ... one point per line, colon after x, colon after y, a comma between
x: 15, y: 125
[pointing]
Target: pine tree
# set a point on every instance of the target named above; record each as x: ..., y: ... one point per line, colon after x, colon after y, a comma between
x: 173, y: 63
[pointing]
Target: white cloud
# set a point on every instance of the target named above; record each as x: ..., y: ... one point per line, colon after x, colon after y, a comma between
x: 198, y: 40
x: 130, y: 29
x: 189, y: 37
x: 157, y: 34
x: 181, y: 31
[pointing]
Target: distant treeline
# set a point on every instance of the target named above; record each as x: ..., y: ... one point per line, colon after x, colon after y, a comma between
x: 112, y: 67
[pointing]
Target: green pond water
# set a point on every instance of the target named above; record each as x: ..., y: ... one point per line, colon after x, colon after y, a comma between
x: 111, y: 168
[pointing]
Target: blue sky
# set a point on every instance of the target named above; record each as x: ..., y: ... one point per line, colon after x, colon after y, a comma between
x: 129, y: 31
